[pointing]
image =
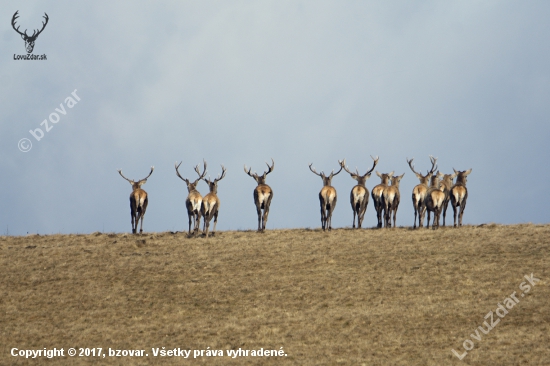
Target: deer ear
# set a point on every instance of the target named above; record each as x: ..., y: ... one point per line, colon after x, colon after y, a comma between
x: 468, y: 171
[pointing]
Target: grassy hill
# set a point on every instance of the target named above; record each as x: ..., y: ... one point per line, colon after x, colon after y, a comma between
x: 350, y: 297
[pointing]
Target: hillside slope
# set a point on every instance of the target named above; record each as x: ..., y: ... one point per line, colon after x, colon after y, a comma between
x: 350, y: 297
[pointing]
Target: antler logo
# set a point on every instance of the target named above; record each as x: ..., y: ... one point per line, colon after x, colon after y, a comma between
x: 29, y: 40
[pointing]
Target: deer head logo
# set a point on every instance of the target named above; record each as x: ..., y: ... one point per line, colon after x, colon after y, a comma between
x: 29, y: 40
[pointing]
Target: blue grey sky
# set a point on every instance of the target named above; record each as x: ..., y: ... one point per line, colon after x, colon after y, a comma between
x: 240, y: 82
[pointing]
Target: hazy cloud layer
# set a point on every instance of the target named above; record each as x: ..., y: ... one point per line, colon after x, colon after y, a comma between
x: 239, y: 82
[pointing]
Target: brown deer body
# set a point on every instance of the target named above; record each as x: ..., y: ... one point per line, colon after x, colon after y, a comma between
x: 377, y: 195
x: 327, y: 197
x: 419, y: 191
x: 193, y: 202
x: 138, y: 201
x: 262, y: 195
x: 211, y: 203
x: 359, y: 196
x: 392, y: 197
x: 434, y: 200
x: 459, y: 194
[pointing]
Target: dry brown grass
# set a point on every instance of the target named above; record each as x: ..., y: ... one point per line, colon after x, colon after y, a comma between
x: 373, y: 297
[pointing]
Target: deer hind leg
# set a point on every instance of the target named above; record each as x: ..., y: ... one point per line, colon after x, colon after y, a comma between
x: 395, y: 215
x: 462, y: 207
x: 215, y: 222
x: 190, y: 215
x: 259, y: 213
x: 445, y: 205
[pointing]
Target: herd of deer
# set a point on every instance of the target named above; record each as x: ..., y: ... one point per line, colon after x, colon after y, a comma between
x: 432, y: 195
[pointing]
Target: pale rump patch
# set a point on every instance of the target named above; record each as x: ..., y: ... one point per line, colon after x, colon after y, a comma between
x: 140, y: 199
x: 459, y: 193
x: 437, y: 198
x: 390, y: 195
x: 358, y: 195
x: 196, y: 204
x: 378, y: 191
x: 328, y: 194
x: 263, y: 196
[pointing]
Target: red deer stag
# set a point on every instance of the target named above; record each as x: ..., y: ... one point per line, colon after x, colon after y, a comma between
x: 377, y: 195
x: 327, y: 197
x: 211, y: 203
x: 434, y: 200
x: 392, y: 197
x: 262, y: 195
x: 193, y: 203
x: 138, y: 200
x: 459, y: 194
x: 359, y: 196
x: 419, y: 192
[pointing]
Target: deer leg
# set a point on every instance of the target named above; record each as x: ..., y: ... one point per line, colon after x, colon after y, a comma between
x: 141, y: 226
x: 259, y: 212
x: 462, y: 207
x: 189, y: 216
x: 264, y: 221
x: 215, y: 222
x: 394, y: 216
x: 445, y: 205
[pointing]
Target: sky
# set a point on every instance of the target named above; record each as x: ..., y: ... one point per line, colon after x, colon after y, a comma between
x: 241, y: 82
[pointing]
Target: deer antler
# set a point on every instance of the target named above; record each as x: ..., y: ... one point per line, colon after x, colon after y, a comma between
x: 314, y: 171
x: 434, y: 165
x: 333, y: 174
x: 253, y: 175
x: 373, y: 165
x: 129, y: 180
x: 270, y: 167
x: 178, y: 173
x: 412, y: 166
x: 222, y: 176
x: 151, y: 172
x: 203, y: 172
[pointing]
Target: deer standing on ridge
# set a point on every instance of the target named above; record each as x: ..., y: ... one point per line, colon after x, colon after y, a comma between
x: 262, y: 195
x: 359, y: 196
x: 138, y: 200
x: 211, y: 203
x: 459, y: 194
x: 392, y: 197
x: 377, y: 195
x: 193, y: 203
x: 327, y: 197
x: 434, y: 200
x: 419, y: 191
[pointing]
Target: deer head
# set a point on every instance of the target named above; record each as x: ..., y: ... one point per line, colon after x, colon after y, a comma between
x: 192, y: 186
x: 29, y: 40
x: 213, y: 185
x: 260, y: 179
x: 139, y: 183
x: 461, y: 177
x: 361, y: 179
x: 424, y: 179
x: 326, y: 180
